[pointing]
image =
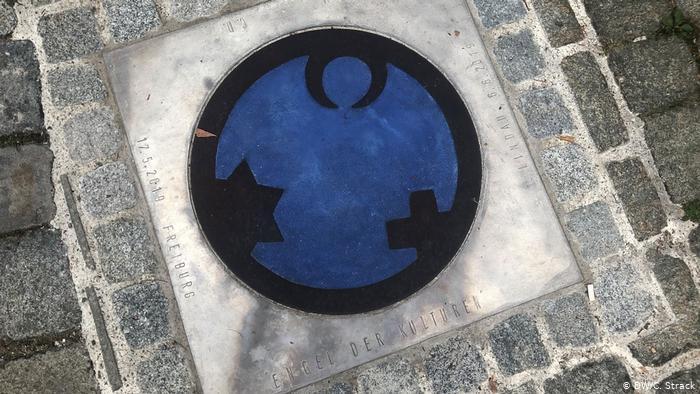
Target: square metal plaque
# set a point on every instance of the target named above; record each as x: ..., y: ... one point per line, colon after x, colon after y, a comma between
x: 244, y: 334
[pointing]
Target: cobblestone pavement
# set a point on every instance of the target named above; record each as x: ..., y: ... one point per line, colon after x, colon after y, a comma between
x: 610, y: 102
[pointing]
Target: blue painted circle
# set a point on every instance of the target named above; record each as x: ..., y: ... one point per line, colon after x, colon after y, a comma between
x: 338, y: 171
x: 345, y: 171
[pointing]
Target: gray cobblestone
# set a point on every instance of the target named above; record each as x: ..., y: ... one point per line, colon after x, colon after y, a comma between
x: 517, y: 345
x: 165, y: 372
x: 107, y: 190
x: 497, y: 12
x: 525, y: 388
x: 35, y: 286
x: 641, y: 18
x: 569, y: 321
x: 595, y: 230
x: 559, y: 22
x: 143, y: 314
x: 26, y: 191
x: 681, y: 382
x: 597, y: 105
x: 694, y: 241
x: 466, y: 366
x: 125, y: 250
x: 569, y: 171
x: 69, y: 34
x: 131, y: 19
x: 68, y: 370
x: 691, y: 10
x: 187, y: 10
x: 676, y: 281
x: 92, y: 135
x: 624, y: 301
x: 518, y: 56
x: 20, y: 96
x: 662, y: 346
x: 654, y: 74
x: 545, y: 113
x: 674, y: 141
x: 394, y: 375
x: 8, y: 19
x: 597, y: 377
x: 638, y: 196
x: 76, y: 84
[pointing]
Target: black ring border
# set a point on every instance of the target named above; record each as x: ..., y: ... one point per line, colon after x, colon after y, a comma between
x: 354, y: 43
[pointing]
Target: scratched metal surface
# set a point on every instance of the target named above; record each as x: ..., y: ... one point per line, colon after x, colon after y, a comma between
x: 241, y: 342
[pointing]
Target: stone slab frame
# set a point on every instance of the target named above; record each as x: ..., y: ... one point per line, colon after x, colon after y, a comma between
x: 515, y: 252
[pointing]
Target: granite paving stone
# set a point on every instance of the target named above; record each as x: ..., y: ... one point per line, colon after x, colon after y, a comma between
x: 107, y: 190
x: 525, y: 388
x: 68, y: 370
x: 638, y: 196
x: 694, y: 241
x: 624, y: 301
x: 620, y: 21
x: 69, y: 34
x: 518, y: 56
x: 569, y: 171
x: 455, y: 365
x: 497, y: 12
x: 545, y: 113
x: 20, y: 96
x: 596, y: 377
x: 595, y: 101
x: 76, y: 84
x: 569, y: 321
x: 131, y: 19
x: 684, y: 381
x: 165, y: 372
x: 517, y: 345
x: 36, y: 289
x: 677, y: 283
x: 125, y: 250
x: 92, y: 135
x: 26, y: 191
x: 662, y: 346
x: 394, y: 375
x: 654, y: 74
x: 691, y: 10
x: 595, y: 230
x: 187, y: 10
x: 8, y: 19
x: 143, y: 313
x: 673, y: 137
x: 559, y: 22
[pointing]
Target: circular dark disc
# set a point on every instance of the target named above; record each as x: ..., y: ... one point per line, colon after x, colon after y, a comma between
x: 335, y: 171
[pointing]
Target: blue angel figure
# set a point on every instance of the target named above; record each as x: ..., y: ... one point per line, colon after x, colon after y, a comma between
x: 345, y: 171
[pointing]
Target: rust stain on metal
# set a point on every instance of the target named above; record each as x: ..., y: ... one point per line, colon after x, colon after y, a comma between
x: 199, y: 133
